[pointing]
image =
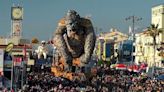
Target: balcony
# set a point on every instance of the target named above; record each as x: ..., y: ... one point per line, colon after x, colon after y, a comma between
x: 161, y: 54
x: 160, y: 48
x: 137, y: 54
x: 149, y: 44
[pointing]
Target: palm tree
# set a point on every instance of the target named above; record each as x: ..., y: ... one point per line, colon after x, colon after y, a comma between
x: 153, y: 31
x: 34, y: 40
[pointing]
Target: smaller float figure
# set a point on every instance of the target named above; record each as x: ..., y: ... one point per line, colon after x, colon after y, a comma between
x: 42, y: 50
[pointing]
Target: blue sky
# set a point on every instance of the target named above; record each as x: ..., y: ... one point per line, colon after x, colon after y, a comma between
x: 41, y: 16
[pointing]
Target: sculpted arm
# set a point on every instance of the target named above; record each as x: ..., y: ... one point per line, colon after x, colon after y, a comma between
x: 89, y: 42
x: 61, y: 44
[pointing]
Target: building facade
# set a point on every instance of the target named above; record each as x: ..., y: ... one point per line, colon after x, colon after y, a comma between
x: 144, y: 47
x: 108, y: 44
x: 158, y: 15
x: 144, y: 50
x: 14, y: 39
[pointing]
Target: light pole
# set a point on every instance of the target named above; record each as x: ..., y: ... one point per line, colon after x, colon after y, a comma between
x: 134, y: 20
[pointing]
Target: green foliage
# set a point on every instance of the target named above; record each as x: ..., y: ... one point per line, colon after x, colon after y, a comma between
x: 100, y: 62
x: 108, y: 62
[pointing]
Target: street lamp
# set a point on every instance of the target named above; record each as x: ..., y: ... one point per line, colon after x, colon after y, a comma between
x: 134, y: 20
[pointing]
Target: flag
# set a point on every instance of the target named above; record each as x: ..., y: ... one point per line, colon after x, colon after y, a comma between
x: 24, y: 53
x: 130, y: 30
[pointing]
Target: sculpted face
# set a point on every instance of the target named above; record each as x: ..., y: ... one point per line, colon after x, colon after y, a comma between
x: 72, y: 23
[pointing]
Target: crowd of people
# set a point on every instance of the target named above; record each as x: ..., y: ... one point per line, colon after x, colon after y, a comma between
x: 103, y: 80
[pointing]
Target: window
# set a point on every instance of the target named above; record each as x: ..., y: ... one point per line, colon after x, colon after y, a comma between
x: 162, y: 61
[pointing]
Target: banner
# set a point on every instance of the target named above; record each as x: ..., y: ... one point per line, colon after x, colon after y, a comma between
x: 7, y: 61
x: 1, y: 58
x: 17, y: 28
x: 127, y: 51
x: 9, y: 48
x: 17, y: 61
x: 7, y: 65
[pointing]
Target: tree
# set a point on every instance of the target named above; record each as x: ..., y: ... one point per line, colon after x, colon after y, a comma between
x: 153, y: 31
x: 34, y: 40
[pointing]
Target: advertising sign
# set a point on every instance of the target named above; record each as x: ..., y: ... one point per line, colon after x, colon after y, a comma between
x: 127, y: 49
x: 17, y: 28
x: 7, y: 65
x: 7, y: 61
x: 17, y: 61
x: 108, y: 50
x: 9, y: 47
x: 1, y: 58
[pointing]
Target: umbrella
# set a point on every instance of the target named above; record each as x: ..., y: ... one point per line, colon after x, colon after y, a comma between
x: 143, y: 66
x: 130, y: 68
x: 113, y: 66
x: 121, y: 66
x: 133, y: 68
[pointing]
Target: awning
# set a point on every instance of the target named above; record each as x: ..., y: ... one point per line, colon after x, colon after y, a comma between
x: 121, y: 66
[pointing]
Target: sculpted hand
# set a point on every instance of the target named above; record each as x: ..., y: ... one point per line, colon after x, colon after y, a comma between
x: 84, y: 60
x: 69, y: 61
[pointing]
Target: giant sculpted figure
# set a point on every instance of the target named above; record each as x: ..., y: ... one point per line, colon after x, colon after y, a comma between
x: 74, y: 38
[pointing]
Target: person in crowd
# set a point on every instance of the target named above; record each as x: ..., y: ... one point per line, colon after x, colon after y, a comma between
x: 42, y: 50
x: 112, y: 81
